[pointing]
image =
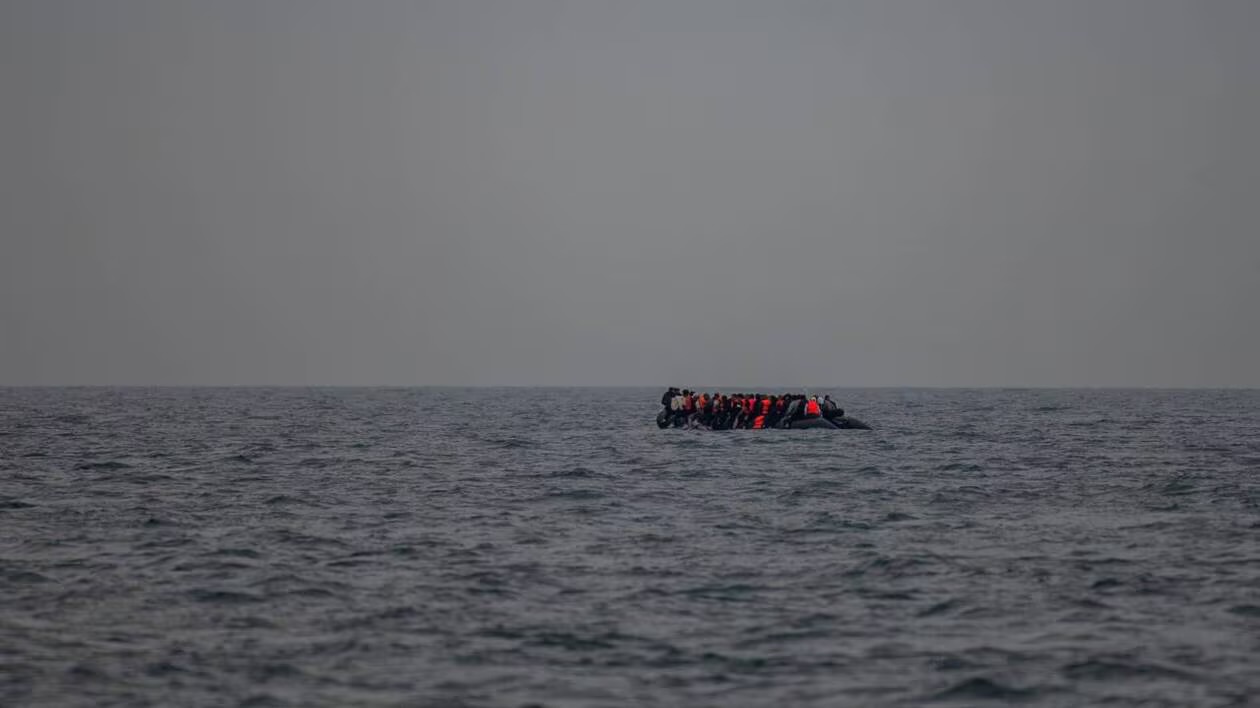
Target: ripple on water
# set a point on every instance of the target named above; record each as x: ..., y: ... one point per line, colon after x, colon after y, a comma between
x: 980, y: 688
x: 361, y: 547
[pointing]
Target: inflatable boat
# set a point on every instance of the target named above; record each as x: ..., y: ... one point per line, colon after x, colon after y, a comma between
x: 840, y: 422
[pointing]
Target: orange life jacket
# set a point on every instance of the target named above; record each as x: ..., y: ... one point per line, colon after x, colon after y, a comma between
x: 759, y: 422
x: 765, y: 406
x: 811, y: 408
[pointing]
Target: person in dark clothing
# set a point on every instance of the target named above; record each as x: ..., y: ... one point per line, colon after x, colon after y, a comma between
x: 794, y: 408
x: 775, y: 412
x: 724, y: 413
x: 711, y: 408
x: 830, y: 409
x: 668, y: 396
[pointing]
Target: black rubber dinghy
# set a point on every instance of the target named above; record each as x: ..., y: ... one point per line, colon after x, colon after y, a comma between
x: 840, y: 422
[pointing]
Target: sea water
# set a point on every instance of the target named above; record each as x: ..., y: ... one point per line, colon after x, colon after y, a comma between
x: 552, y: 547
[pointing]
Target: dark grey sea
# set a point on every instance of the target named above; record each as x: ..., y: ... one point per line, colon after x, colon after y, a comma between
x: 552, y: 547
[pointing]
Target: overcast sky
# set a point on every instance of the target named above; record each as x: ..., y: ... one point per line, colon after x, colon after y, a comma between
x: 717, y: 192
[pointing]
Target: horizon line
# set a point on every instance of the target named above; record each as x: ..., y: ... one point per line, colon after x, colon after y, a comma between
x: 1152, y: 387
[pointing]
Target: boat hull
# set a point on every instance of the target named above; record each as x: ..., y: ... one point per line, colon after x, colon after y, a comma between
x: 841, y: 422
x: 665, y: 420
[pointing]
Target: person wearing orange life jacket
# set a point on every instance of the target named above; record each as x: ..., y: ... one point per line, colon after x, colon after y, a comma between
x: 762, y: 412
x: 680, y: 407
x: 812, y: 409
x: 705, y: 409
x: 776, y: 411
x: 688, y: 406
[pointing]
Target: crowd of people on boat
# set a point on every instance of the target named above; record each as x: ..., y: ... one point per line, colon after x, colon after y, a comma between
x: 720, y: 411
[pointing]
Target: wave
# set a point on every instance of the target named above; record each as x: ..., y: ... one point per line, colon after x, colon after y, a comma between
x: 107, y: 465
x: 981, y: 688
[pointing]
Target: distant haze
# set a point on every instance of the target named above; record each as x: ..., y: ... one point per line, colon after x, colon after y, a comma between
x: 878, y: 192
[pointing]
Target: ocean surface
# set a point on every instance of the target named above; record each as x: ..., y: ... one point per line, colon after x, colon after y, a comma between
x: 552, y: 547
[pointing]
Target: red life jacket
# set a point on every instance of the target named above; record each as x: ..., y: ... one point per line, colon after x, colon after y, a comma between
x: 759, y: 422
x: 765, y: 406
x: 812, y: 409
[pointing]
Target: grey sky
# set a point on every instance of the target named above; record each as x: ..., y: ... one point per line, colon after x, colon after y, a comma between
x: 887, y: 192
